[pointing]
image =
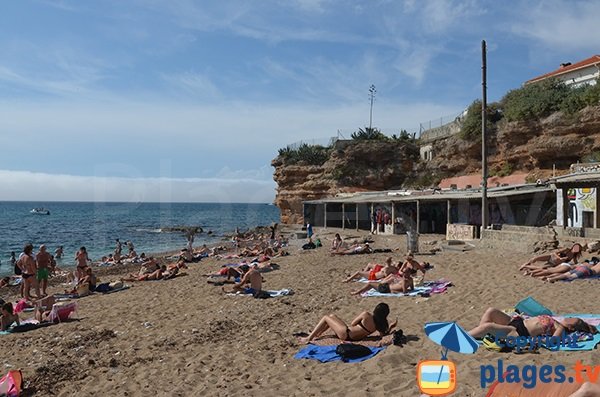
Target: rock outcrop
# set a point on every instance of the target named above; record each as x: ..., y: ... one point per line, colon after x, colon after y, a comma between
x: 352, y: 166
x: 533, y: 147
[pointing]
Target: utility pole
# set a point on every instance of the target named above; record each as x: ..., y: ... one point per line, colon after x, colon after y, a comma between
x: 484, y: 170
x: 372, y: 92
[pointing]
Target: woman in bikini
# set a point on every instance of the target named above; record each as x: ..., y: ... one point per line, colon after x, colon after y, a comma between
x: 555, y: 258
x: 81, y: 257
x: 496, y: 322
x: 395, y: 283
x: 362, y: 326
x: 374, y: 271
x: 337, y: 244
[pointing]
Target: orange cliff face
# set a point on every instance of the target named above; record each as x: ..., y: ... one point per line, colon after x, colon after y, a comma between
x: 352, y: 166
x: 525, y: 151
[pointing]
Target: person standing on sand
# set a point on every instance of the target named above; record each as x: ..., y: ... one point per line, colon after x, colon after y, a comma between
x: 28, y: 269
x: 309, y: 230
x: 43, y: 261
x: 82, y: 262
x: 252, y: 277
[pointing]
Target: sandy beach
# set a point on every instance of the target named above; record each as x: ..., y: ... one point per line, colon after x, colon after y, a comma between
x: 184, y: 337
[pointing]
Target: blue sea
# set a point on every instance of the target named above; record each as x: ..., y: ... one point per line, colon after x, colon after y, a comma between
x: 97, y: 225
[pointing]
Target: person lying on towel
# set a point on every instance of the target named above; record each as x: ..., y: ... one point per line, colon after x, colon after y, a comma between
x: 560, y: 269
x: 496, y: 322
x: 555, y: 258
x: 362, y: 326
x: 375, y: 271
x: 401, y: 282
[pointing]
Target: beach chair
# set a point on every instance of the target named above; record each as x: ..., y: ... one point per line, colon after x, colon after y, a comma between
x: 62, y: 311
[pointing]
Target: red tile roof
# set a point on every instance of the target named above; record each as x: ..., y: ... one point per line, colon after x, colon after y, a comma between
x: 593, y: 60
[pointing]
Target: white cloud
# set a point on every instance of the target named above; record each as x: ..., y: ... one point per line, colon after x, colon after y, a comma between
x: 30, y: 186
x: 200, y: 85
x: 561, y: 25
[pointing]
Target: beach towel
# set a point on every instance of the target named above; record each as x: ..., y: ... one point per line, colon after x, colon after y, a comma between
x: 273, y: 293
x: 531, y: 307
x: 121, y: 288
x: 24, y: 325
x: 428, y: 288
x: 326, y: 354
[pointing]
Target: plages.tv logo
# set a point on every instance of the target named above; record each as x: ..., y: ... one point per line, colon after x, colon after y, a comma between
x: 438, y: 377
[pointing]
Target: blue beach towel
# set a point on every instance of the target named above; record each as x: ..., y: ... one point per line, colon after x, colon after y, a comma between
x: 327, y: 354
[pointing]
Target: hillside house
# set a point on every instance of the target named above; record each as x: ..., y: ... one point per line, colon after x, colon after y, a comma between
x: 574, y: 75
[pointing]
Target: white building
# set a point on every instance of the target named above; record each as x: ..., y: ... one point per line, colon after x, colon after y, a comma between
x: 576, y: 74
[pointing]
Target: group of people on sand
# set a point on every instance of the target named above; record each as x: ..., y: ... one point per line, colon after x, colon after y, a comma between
x: 34, y: 269
x: 562, y: 265
x: 390, y: 277
x: 152, y: 270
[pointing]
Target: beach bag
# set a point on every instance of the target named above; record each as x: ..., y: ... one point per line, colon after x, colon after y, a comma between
x: 350, y: 351
x: 11, y: 384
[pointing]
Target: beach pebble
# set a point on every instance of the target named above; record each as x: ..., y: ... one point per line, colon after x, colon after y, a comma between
x: 195, y: 330
x: 147, y: 324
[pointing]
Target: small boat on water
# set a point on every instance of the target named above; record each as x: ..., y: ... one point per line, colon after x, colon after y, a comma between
x: 40, y: 211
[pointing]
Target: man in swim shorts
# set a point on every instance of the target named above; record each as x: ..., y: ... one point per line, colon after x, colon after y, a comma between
x: 43, y: 260
x: 251, y: 277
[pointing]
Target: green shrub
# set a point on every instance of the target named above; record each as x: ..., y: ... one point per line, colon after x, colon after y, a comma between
x: 471, y: 126
x: 593, y: 157
x: 534, y: 101
x: 306, y: 154
x: 369, y: 134
x: 505, y: 170
x: 404, y: 136
x: 591, y: 96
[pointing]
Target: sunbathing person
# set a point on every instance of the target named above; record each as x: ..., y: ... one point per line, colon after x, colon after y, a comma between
x: 186, y: 255
x: 155, y: 275
x: 89, y: 279
x: 362, y: 326
x: 251, y: 277
x: 337, y: 244
x: 555, y: 258
x: 410, y: 264
x: 393, y: 283
x: 8, y: 316
x: 374, y: 271
x: 496, y: 322
x: 581, y: 271
x: 561, y: 268
x: 5, y: 282
x: 355, y: 249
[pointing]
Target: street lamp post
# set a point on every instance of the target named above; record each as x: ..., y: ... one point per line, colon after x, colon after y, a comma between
x: 372, y: 92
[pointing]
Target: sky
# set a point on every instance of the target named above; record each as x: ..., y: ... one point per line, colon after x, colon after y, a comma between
x: 180, y: 100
